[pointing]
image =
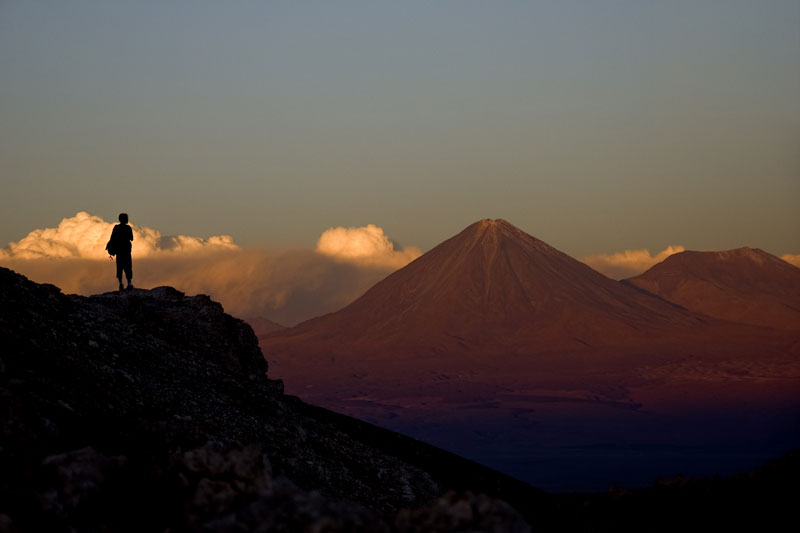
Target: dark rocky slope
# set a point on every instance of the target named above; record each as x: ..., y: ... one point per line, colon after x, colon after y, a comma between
x: 150, y: 410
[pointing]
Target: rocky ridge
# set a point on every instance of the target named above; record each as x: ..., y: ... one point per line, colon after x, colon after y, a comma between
x: 151, y: 410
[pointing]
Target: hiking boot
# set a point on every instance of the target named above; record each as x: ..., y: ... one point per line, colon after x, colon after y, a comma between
x: 121, y: 287
x: 130, y: 285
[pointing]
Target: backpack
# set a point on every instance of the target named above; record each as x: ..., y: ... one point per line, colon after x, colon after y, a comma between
x: 111, y: 247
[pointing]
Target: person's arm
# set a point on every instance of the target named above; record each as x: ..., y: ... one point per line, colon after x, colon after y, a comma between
x: 130, y: 231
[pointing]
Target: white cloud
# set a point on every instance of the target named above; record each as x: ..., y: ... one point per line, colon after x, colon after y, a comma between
x: 365, y: 245
x: 628, y: 263
x: 85, y: 236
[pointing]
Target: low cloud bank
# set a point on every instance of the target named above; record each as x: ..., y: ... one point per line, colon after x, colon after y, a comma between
x: 284, y: 286
x: 85, y: 236
x: 629, y: 263
x: 792, y: 258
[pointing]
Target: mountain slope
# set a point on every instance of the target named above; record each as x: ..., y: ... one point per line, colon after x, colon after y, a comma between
x: 491, y: 288
x: 263, y: 326
x: 743, y: 285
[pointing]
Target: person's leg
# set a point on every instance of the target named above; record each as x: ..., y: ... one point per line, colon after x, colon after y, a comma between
x: 119, y: 271
x: 129, y: 271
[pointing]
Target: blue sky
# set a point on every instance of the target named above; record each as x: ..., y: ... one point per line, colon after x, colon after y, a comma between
x: 595, y: 126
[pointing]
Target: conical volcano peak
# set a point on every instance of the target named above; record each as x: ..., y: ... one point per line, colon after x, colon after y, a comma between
x: 490, y: 235
x: 489, y: 222
x: 490, y: 225
x: 488, y: 230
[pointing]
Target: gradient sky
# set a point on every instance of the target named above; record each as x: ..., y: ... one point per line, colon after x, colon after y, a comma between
x: 594, y: 125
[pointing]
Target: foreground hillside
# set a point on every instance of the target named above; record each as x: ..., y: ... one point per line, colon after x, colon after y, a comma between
x: 150, y: 410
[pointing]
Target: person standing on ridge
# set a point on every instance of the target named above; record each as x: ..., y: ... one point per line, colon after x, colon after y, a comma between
x: 120, y: 245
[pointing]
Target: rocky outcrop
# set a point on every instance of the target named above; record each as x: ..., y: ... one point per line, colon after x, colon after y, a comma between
x: 151, y: 410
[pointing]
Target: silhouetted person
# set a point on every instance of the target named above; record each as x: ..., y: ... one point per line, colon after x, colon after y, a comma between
x: 120, y: 245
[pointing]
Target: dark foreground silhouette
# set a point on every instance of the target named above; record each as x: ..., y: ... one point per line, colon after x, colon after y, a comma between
x: 120, y: 245
x: 170, y: 423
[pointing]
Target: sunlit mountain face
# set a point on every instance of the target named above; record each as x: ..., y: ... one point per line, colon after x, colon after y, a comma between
x: 499, y: 347
x: 743, y: 285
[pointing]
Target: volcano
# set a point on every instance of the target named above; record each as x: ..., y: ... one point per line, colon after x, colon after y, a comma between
x: 490, y: 289
x: 746, y: 285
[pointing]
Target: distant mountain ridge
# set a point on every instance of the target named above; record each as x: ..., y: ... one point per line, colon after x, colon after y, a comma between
x: 746, y: 285
x: 263, y: 326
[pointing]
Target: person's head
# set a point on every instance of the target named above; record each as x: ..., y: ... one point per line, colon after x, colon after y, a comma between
x: 123, y: 218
